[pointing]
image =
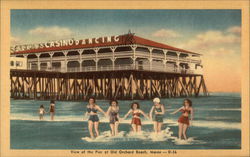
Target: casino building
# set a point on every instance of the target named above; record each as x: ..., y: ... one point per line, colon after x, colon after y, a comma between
x: 120, y: 56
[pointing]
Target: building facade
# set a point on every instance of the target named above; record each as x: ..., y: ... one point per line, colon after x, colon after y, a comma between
x: 122, y: 52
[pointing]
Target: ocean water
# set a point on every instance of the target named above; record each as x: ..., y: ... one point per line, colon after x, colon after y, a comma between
x: 216, y: 125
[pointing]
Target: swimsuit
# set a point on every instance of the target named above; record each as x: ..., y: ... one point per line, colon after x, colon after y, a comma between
x: 52, y: 109
x: 135, y: 120
x: 184, y: 119
x: 113, y: 117
x: 93, y: 118
x: 158, y: 117
x: 41, y: 111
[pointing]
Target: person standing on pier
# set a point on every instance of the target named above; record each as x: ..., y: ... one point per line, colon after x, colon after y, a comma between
x: 159, y: 111
x: 113, y: 112
x: 183, y: 120
x: 136, y: 113
x: 93, y: 120
x: 52, y: 109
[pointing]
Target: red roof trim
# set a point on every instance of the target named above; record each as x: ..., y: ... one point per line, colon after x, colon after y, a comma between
x: 123, y: 40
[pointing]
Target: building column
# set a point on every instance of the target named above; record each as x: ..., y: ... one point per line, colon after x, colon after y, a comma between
x: 134, y: 57
x: 51, y: 55
x: 178, y: 61
x: 150, y: 58
x: 96, y: 58
x: 65, y: 60
x: 38, y: 61
x: 113, y: 57
x: 26, y: 58
x: 80, y: 59
x: 165, y: 59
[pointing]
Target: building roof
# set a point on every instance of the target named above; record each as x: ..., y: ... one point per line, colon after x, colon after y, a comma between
x: 126, y: 39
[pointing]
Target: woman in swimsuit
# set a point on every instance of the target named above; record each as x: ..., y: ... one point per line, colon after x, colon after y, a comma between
x: 136, y: 120
x: 52, y: 109
x: 113, y: 117
x: 93, y: 120
x: 159, y: 111
x: 183, y: 120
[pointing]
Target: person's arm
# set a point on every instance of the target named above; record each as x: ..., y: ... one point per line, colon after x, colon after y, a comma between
x: 99, y: 109
x: 108, y: 111
x: 192, y: 115
x: 126, y: 115
x: 176, y: 110
x: 151, y: 112
x: 144, y: 114
x: 162, y: 110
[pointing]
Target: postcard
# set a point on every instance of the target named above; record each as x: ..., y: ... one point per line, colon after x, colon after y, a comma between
x: 124, y: 78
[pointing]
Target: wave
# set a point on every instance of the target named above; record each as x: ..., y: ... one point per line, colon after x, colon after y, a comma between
x: 164, y: 135
x: 169, y: 122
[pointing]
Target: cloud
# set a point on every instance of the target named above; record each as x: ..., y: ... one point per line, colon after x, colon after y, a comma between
x: 15, y: 40
x: 52, y: 32
x: 166, y: 33
x: 210, y: 39
x: 234, y: 29
x: 220, y: 52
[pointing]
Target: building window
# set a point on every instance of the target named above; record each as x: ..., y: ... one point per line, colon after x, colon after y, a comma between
x: 19, y: 64
x: 12, y: 63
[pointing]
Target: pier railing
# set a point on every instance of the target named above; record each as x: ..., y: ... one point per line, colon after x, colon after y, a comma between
x: 156, y: 68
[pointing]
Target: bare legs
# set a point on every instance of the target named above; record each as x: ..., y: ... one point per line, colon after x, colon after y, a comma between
x: 96, y: 128
x: 185, y: 126
x: 136, y: 128
x: 90, y: 126
x: 114, y: 128
x: 183, y: 130
x: 159, y: 127
x: 52, y: 115
x: 180, y: 130
x: 155, y: 127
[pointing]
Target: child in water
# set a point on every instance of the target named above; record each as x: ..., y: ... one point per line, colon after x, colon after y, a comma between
x: 41, y: 112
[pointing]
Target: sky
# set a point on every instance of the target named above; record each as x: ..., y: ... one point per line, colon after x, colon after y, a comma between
x: 215, y: 34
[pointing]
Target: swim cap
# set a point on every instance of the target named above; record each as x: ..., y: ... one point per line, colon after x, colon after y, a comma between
x: 157, y: 100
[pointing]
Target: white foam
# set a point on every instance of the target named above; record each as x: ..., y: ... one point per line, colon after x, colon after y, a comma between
x: 169, y: 122
x: 189, y: 141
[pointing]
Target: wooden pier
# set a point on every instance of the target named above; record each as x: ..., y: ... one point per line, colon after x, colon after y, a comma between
x: 118, y: 84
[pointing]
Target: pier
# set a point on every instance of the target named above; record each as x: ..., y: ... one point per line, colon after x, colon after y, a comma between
x: 121, y: 67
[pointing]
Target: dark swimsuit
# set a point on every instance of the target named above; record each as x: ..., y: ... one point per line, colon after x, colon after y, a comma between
x: 158, y: 117
x: 93, y: 118
x: 135, y: 120
x: 184, y: 119
x: 52, y: 109
x: 113, y: 117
